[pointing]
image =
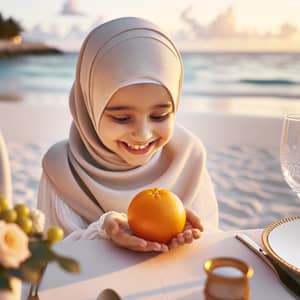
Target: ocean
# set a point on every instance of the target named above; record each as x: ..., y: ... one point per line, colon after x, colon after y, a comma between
x: 210, y: 75
x: 249, y: 185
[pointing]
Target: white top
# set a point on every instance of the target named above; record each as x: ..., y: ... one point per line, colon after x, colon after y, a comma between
x: 58, y: 213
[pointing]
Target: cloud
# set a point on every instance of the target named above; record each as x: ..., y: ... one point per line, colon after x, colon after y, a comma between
x: 193, y: 26
x: 37, y: 33
x: 223, y: 34
x: 224, y: 26
x: 69, y: 41
x: 71, y: 8
x: 73, y: 39
x: 288, y: 29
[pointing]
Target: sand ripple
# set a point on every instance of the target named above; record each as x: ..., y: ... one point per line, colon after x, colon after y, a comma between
x: 250, y: 188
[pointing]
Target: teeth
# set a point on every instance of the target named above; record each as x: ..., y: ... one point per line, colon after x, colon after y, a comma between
x: 137, y: 147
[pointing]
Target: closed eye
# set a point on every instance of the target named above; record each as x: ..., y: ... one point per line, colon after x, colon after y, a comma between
x: 121, y: 119
x: 161, y: 117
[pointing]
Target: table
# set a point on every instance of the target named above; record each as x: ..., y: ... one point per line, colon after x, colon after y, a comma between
x: 177, y: 274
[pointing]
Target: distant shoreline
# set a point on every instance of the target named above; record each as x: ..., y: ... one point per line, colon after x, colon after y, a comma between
x: 237, y: 52
x: 8, y: 49
x: 217, y: 52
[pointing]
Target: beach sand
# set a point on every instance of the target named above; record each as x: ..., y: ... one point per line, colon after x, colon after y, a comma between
x: 242, y: 155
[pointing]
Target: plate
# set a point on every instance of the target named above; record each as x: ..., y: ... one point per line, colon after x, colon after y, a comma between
x: 282, y: 241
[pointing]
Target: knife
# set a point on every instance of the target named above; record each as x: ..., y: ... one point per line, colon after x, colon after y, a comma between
x: 284, y: 277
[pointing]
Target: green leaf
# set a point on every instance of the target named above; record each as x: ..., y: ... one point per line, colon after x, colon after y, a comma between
x: 40, y: 254
x: 68, y: 264
x: 13, y: 273
x: 36, y: 236
x: 2, y: 270
x: 31, y: 269
x: 34, y: 264
x: 24, y: 273
x: 29, y: 275
x: 4, y: 283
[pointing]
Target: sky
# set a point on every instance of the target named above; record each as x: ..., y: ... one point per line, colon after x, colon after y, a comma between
x: 195, y: 25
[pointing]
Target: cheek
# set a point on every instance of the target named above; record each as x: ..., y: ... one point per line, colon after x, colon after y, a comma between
x: 105, y: 132
x: 166, y: 129
x: 109, y: 131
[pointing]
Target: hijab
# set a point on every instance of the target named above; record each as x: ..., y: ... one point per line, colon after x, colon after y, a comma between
x: 87, y: 176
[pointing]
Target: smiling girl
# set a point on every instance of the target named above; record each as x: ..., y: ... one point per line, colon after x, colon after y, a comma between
x: 124, y: 138
x: 136, y: 130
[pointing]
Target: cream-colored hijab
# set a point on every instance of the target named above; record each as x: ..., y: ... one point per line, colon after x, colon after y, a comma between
x: 87, y: 176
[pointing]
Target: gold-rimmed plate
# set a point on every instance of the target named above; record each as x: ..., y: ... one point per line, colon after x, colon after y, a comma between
x: 282, y: 241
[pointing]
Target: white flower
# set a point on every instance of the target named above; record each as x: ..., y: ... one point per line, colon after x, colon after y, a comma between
x: 38, y: 220
x: 13, y: 245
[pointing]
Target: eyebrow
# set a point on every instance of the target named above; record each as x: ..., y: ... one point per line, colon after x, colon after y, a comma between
x: 118, y: 108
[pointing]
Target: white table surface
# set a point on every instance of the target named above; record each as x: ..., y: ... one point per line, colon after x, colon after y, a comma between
x: 177, y: 274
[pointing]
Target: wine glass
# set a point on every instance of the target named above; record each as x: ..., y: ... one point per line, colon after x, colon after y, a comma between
x: 290, y: 151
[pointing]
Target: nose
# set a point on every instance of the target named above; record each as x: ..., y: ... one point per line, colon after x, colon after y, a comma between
x: 142, y: 131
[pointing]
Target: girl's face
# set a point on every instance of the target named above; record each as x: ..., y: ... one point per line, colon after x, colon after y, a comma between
x: 137, y: 121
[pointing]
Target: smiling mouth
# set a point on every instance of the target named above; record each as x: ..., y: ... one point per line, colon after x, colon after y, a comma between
x: 137, y: 149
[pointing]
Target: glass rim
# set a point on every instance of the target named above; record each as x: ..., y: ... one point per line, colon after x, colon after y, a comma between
x: 293, y: 116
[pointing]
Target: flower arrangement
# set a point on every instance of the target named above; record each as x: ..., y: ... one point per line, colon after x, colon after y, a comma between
x: 24, y: 250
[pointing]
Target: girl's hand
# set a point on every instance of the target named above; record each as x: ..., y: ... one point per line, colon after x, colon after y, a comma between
x: 117, y: 228
x: 191, y: 231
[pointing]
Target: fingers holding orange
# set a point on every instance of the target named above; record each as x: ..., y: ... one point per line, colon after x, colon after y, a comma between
x: 117, y: 228
x: 193, y: 219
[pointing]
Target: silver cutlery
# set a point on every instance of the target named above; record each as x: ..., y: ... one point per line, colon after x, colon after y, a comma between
x: 284, y: 277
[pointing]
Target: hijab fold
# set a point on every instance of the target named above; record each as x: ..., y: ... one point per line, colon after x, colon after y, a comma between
x: 86, y: 175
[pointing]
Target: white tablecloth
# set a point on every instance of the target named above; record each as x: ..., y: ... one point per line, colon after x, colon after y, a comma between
x: 177, y: 274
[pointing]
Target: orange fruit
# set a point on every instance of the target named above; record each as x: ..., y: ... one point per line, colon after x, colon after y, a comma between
x: 156, y: 215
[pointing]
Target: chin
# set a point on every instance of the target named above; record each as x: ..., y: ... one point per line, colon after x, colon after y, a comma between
x: 137, y: 163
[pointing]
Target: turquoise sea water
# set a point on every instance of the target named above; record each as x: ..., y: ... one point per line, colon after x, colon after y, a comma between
x: 205, y: 74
